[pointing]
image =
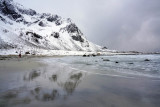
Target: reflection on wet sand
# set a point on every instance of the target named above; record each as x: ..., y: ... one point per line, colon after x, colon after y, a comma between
x: 32, y: 75
x: 56, y: 84
x: 12, y: 98
x: 40, y: 95
x: 54, y: 78
x: 52, y: 96
x: 43, y: 85
x: 72, y: 83
x: 10, y: 95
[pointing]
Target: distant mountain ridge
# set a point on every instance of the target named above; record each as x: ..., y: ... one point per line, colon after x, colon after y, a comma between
x: 25, y: 29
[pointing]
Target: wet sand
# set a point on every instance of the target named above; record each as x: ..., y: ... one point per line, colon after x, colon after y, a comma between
x: 34, y: 83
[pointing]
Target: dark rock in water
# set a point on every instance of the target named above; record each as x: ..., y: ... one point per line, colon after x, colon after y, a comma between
x: 116, y: 62
x: 96, y: 61
x: 106, y: 60
x: 131, y: 63
x: 146, y: 60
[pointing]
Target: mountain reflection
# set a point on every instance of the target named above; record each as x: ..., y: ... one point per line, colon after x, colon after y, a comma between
x: 40, y: 95
x: 54, y: 78
x: 72, y: 83
x: 32, y: 75
x: 45, y: 84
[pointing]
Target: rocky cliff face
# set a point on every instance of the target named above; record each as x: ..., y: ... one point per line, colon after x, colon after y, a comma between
x: 22, y: 28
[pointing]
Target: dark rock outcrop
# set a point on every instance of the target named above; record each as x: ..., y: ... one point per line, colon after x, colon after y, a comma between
x: 72, y: 28
x: 2, y: 19
x: 78, y: 38
x: 52, y: 18
x: 27, y: 53
x: 34, y: 35
x: 42, y: 24
x: 28, y: 12
x: 8, y: 9
x: 55, y: 34
x: 84, y: 55
x: 58, y: 22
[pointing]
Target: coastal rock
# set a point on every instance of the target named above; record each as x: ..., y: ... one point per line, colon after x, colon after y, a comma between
x: 93, y: 55
x: 84, y: 55
x: 27, y: 53
x: 131, y: 63
x: 146, y: 60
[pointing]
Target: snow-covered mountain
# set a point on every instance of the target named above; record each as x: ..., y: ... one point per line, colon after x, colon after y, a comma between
x: 23, y: 29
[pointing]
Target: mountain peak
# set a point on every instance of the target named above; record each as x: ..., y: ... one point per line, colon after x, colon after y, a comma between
x: 32, y: 30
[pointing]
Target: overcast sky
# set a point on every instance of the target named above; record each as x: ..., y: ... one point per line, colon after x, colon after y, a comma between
x: 116, y: 24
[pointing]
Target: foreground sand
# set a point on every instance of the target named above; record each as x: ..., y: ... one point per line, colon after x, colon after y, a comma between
x: 32, y: 82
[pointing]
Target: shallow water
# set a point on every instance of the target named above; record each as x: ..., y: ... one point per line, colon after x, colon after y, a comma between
x: 77, y: 81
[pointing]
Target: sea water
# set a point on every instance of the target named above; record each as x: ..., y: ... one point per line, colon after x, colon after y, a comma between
x: 128, y: 65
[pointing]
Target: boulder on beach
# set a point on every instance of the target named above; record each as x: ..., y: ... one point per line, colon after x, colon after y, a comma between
x: 146, y: 60
x: 93, y: 55
x: 27, y: 53
x: 84, y: 55
x: 130, y: 63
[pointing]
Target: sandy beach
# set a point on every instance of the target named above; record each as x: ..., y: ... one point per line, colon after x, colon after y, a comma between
x: 59, y: 82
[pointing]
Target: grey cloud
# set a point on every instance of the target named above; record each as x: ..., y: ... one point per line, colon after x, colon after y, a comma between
x: 117, y: 24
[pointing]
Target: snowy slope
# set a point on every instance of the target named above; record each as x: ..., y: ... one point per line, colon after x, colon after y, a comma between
x: 24, y: 30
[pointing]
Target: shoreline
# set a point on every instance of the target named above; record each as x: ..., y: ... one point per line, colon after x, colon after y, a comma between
x: 13, y: 56
x: 53, y: 53
x: 42, y: 52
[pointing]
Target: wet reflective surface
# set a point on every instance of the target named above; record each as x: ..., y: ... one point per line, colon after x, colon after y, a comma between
x: 41, y: 84
x: 58, y: 83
